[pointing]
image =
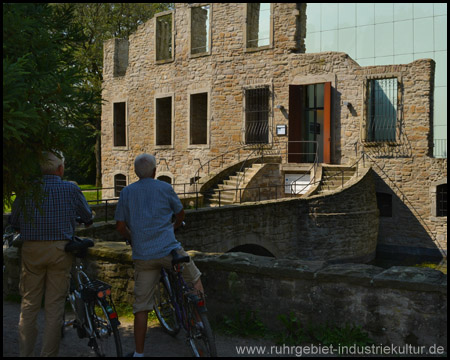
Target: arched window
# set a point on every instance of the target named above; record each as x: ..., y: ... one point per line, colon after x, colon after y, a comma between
x: 166, y: 179
x: 441, y: 200
x: 120, y: 181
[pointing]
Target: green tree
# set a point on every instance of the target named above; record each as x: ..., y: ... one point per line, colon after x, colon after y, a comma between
x: 100, y: 22
x: 42, y: 99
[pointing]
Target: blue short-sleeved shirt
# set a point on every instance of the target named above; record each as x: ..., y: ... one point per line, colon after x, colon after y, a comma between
x: 147, y: 207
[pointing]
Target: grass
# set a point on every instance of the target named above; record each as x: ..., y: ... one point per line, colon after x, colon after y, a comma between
x: 89, y: 195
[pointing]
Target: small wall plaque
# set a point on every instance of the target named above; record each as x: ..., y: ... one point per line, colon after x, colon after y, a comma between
x: 281, y: 130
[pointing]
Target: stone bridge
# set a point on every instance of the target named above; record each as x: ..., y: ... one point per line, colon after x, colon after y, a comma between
x: 338, y: 227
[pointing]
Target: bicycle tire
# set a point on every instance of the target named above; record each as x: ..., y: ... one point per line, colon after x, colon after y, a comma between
x: 106, y: 342
x: 164, y: 308
x: 201, y: 338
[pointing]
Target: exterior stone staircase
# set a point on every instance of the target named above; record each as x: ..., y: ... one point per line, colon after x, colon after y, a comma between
x: 225, y: 192
x: 333, y: 178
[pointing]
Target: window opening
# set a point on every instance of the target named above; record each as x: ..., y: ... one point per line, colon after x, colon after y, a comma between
x: 258, y: 25
x: 165, y: 178
x: 199, y: 119
x: 384, y: 203
x: 164, y: 121
x: 120, y: 181
x: 441, y: 200
x: 257, y: 116
x: 382, y: 110
x: 164, y: 37
x: 119, y: 124
x: 200, y: 25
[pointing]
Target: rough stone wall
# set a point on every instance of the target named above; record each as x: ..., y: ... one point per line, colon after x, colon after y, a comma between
x: 230, y: 69
x: 400, y: 305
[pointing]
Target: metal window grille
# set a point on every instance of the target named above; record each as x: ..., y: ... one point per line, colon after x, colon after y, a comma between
x: 120, y: 181
x: 441, y: 200
x: 257, y: 116
x: 382, y: 110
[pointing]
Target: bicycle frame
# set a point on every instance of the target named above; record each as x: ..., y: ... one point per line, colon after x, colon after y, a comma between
x: 83, y: 306
x: 178, y: 289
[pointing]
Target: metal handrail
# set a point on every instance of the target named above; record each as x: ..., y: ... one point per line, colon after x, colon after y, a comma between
x: 197, y: 173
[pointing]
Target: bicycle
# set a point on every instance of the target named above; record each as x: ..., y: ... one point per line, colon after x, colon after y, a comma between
x: 95, y: 314
x: 178, y: 305
x: 10, y: 238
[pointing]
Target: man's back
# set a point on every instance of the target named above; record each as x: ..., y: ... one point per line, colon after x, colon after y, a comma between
x: 63, y: 202
x: 147, y: 207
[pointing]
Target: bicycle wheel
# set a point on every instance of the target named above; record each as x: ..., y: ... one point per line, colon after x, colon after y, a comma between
x: 201, y: 337
x: 164, y: 309
x: 106, y: 341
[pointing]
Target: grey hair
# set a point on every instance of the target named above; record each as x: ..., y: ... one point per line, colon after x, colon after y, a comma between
x: 144, y: 165
x: 51, y: 161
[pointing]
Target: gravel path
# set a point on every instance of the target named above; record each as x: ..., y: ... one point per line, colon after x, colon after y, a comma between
x: 157, y: 344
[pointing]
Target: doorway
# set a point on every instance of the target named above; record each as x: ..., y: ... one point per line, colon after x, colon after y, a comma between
x: 309, y: 123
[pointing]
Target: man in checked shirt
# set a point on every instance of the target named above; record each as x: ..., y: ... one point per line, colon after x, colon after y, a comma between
x: 45, y: 265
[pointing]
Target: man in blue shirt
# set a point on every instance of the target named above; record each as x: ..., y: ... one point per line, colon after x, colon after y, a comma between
x: 45, y: 265
x: 144, y: 217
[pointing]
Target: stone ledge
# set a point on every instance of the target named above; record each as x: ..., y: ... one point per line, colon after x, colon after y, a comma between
x: 412, y: 278
x: 409, y: 278
x: 397, y: 277
x: 360, y: 274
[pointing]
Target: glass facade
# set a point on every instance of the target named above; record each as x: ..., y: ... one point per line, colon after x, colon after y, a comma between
x: 383, y: 34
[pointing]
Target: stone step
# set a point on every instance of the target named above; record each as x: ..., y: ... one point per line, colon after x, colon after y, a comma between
x: 335, y: 181
x: 337, y: 173
x: 228, y: 186
x: 227, y: 195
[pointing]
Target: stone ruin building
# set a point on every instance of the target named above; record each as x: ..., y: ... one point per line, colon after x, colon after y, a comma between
x: 225, y: 97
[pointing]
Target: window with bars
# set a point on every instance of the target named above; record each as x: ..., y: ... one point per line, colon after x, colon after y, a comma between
x: 120, y: 181
x: 258, y: 25
x: 382, y: 110
x: 441, y: 200
x: 257, y: 110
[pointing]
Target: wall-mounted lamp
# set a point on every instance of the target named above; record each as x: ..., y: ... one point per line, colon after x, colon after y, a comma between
x: 346, y: 103
x: 281, y: 107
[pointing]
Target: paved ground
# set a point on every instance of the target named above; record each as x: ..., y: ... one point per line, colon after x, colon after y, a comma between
x: 158, y: 343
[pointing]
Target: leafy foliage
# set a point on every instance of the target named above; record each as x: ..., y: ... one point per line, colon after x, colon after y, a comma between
x: 41, y: 100
x: 99, y: 22
x: 243, y: 323
x: 326, y: 335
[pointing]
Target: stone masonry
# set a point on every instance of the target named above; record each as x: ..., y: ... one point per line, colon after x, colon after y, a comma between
x: 404, y: 169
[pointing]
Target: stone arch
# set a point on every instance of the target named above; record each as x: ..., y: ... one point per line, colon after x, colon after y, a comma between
x: 252, y: 249
x: 165, y: 176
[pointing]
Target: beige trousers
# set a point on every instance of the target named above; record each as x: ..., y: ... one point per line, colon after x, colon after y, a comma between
x: 146, y: 277
x: 45, y: 272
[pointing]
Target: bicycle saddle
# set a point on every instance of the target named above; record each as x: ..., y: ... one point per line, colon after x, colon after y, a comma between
x: 78, y: 246
x: 177, y: 258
